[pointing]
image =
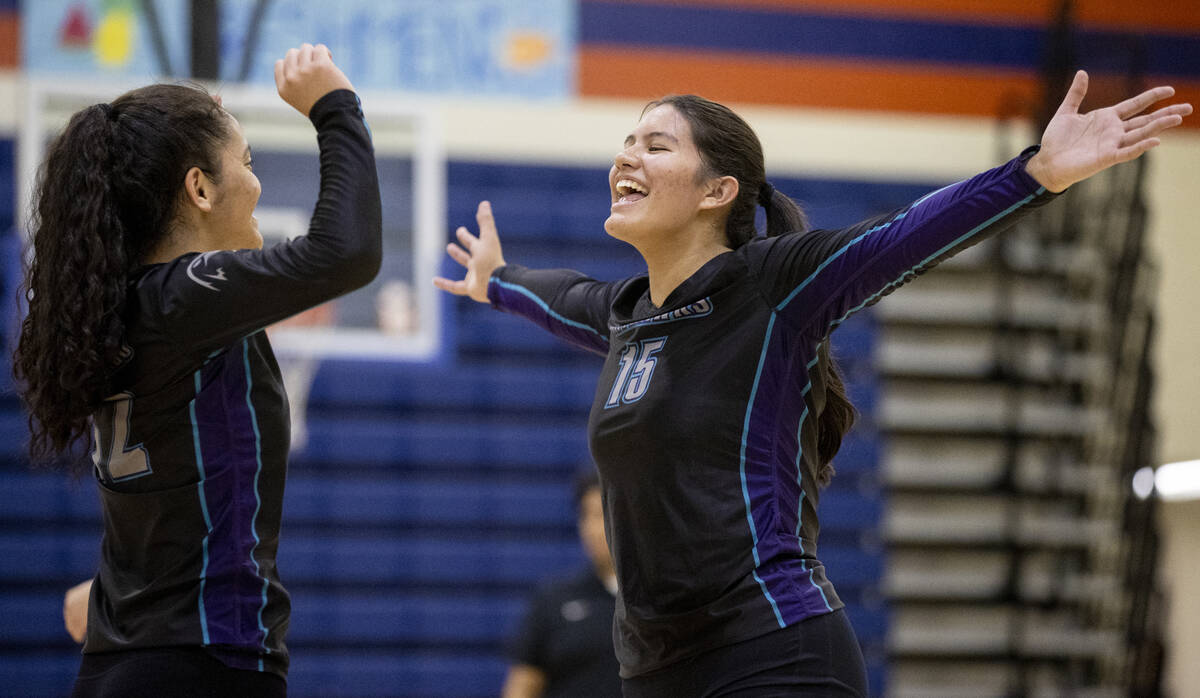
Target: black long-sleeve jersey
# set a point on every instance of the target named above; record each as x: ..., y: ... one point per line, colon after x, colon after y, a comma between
x: 191, y: 449
x: 704, y: 424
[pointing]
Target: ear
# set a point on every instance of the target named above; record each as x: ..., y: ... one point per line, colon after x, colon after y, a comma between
x: 198, y: 189
x: 722, y: 191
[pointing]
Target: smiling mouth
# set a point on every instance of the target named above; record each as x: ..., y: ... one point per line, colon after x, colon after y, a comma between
x: 629, y: 191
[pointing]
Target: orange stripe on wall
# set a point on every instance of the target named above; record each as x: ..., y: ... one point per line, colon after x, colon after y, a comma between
x: 863, y: 85
x: 1177, y: 16
x: 10, y: 40
x: 641, y: 74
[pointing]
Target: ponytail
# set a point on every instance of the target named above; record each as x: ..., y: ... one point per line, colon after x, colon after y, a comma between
x: 105, y: 196
x: 834, y: 422
x: 783, y: 214
x: 75, y: 286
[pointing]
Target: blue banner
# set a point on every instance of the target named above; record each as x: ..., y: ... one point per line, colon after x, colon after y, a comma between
x: 468, y: 47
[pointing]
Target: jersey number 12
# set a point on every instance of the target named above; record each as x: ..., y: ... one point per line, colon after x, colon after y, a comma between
x: 115, y: 459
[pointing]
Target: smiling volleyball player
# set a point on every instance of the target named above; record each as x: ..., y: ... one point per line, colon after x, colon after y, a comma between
x: 717, y: 413
x: 148, y: 294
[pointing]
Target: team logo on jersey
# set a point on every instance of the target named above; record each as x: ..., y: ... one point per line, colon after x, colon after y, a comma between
x: 193, y: 272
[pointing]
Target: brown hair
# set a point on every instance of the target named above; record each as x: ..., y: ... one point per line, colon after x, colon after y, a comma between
x: 106, y: 195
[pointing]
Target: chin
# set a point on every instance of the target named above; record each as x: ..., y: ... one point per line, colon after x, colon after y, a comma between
x: 618, y: 228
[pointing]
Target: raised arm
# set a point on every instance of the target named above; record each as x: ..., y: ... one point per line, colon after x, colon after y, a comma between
x: 211, y: 298
x: 816, y: 280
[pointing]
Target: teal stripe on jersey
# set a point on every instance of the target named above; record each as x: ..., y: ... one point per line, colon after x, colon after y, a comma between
x: 203, y: 508
x: 742, y: 470
x: 542, y: 304
x: 903, y: 278
x: 257, y: 498
x: 835, y: 255
x: 800, y: 481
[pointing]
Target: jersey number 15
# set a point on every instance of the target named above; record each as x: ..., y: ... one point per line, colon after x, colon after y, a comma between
x: 637, y: 368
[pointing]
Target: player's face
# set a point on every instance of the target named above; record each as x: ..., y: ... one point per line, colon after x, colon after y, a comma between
x: 591, y: 530
x: 655, y: 182
x: 237, y: 192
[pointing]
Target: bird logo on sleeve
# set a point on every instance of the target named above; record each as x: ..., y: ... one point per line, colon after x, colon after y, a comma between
x: 194, y: 273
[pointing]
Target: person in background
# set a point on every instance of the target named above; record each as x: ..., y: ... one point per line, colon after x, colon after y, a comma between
x: 564, y: 647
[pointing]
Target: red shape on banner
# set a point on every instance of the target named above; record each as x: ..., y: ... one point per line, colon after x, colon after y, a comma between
x: 76, y: 30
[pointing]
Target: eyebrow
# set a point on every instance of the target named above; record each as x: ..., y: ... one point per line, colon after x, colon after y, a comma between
x: 651, y: 136
x: 247, y: 154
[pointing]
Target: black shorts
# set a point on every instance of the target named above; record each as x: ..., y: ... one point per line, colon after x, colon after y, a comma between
x: 819, y: 656
x: 180, y: 672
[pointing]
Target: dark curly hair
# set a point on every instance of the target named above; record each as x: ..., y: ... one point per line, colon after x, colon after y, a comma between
x: 106, y: 196
x: 728, y: 146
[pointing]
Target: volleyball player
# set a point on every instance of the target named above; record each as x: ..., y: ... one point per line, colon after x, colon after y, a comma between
x: 718, y: 412
x: 148, y: 294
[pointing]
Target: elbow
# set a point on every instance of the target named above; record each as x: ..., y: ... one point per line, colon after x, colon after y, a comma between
x: 365, y: 267
x: 361, y: 265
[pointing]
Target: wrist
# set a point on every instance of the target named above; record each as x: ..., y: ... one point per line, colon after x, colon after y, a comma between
x: 1037, y: 168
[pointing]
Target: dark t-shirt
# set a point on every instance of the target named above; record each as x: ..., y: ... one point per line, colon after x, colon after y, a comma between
x: 704, y: 424
x: 191, y: 447
x: 567, y: 633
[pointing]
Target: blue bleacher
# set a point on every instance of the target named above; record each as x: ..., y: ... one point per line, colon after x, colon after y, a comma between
x: 429, y: 500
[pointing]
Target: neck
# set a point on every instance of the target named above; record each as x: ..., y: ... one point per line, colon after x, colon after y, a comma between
x: 176, y: 243
x: 670, y: 265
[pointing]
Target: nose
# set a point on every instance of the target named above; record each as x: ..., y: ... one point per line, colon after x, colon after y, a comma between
x: 623, y: 159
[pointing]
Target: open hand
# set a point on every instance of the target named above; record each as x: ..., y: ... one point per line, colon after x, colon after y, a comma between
x: 1076, y: 146
x: 306, y: 74
x: 480, y: 255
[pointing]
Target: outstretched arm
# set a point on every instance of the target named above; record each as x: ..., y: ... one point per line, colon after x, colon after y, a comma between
x: 568, y: 304
x: 1076, y: 146
x: 818, y: 279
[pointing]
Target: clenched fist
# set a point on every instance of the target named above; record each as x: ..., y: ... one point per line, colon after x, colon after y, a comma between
x: 306, y: 74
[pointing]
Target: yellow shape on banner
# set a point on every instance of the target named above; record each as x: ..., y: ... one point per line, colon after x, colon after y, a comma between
x: 527, y: 50
x: 113, y: 40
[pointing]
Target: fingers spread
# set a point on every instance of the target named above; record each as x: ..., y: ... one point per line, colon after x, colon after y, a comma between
x: 1180, y: 110
x: 1135, y: 150
x: 458, y: 288
x: 458, y: 254
x: 487, y: 223
x: 1136, y: 105
x: 465, y: 238
x: 1075, y: 95
x: 1155, y: 127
